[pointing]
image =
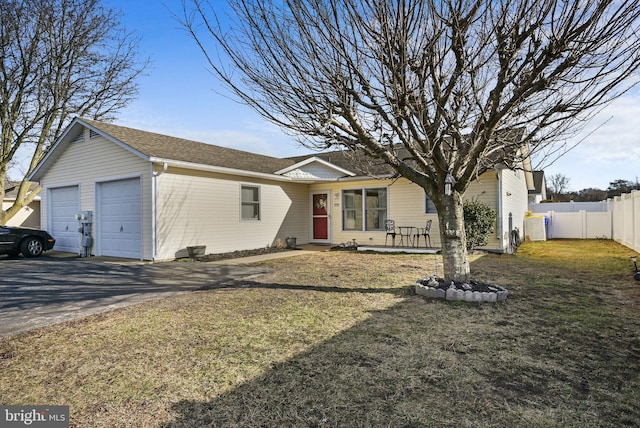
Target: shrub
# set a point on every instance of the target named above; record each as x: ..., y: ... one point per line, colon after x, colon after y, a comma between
x: 479, y: 223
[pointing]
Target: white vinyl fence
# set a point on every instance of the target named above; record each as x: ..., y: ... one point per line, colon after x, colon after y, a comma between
x: 620, y: 221
x: 579, y: 225
x: 626, y: 220
x: 570, y: 207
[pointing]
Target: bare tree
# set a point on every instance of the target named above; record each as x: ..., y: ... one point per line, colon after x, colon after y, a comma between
x: 433, y: 88
x: 557, y: 184
x: 589, y: 195
x: 58, y: 59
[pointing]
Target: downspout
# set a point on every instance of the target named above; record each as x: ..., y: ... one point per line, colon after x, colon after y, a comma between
x: 500, y: 210
x: 154, y: 215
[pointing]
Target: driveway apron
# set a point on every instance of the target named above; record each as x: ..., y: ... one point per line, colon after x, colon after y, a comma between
x: 51, y: 289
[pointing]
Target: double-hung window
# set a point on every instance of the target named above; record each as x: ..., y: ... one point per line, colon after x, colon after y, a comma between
x: 250, y: 202
x: 364, y: 209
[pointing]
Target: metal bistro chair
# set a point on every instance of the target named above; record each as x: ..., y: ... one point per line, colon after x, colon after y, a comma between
x: 390, y: 227
x: 423, y: 232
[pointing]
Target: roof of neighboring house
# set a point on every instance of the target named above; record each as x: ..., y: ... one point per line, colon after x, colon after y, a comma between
x: 11, y: 189
x: 178, y: 149
x: 539, y: 183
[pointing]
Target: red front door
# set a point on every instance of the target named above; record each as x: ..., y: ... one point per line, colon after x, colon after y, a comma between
x: 320, y: 217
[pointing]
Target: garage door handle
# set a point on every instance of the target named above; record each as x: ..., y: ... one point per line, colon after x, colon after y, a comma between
x: 121, y: 228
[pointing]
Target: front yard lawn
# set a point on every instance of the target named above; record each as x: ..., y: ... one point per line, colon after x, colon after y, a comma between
x: 336, y: 339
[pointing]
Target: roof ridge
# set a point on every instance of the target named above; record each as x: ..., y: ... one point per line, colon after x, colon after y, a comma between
x: 98, y: 123
x: 162, y: 146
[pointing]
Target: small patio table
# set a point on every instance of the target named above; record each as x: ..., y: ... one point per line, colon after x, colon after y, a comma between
x: 405, y: 232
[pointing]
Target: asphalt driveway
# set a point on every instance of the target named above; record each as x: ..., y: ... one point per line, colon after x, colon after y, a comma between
x: 59, y: 286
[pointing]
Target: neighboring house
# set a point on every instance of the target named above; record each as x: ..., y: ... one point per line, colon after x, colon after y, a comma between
x: 539, y: 193
x: 28, y: 216
x: 153, y: 195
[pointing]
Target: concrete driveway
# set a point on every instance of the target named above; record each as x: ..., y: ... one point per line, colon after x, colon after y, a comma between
x: 59, y: 286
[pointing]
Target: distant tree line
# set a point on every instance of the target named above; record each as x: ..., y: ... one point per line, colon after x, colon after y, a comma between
x: 558, y: 190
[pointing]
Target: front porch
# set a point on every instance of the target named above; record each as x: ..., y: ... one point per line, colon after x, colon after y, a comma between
x: 372, y: 248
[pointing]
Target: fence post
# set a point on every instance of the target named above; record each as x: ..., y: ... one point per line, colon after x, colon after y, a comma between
x: 611, y: 210
x: 635, y: 196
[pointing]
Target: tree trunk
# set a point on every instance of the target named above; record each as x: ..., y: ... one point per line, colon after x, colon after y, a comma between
x: 453, y: 238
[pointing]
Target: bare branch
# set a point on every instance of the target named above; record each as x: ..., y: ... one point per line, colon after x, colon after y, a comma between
x: 430, y: 87
x: 59, y: 59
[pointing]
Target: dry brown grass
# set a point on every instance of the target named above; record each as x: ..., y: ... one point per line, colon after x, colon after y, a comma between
x: 336, y: 339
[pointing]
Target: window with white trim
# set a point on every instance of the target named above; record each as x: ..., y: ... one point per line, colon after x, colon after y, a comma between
x: 250, y: 202
x: 364, y: 209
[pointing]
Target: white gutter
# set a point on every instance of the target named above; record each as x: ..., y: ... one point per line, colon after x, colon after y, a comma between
x: 241, y: 172
x: 366, y: 177
x: 165, y: 166
x: 218, y: 169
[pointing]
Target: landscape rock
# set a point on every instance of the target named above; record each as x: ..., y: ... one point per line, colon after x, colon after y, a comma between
x: 433, y: 287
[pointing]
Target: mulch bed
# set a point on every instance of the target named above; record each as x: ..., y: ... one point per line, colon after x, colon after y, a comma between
x: 242, y: 253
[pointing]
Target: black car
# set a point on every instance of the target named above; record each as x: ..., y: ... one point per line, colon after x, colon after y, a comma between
x: 29, y: 242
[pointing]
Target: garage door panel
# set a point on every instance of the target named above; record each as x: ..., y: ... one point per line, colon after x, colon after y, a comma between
x: 120, y: 204
x: 64, y: 205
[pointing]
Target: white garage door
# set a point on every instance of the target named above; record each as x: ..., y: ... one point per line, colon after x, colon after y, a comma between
x: 120, y: 211
x: 63, y: 226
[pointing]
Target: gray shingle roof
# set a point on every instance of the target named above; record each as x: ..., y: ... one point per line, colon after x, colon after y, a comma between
x: 502, y: 150
x: 538, y: 181
x: 178, y: 149
x: 354, y: 161
x: 11, y: 189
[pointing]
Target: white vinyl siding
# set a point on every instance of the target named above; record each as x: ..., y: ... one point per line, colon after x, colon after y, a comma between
x: 199, y: 208
x: 28, y: 216
x: 99, y: 160
x: 515, y: 200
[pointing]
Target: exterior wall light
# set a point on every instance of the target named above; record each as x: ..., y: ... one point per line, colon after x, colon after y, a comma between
x: 449, y: 182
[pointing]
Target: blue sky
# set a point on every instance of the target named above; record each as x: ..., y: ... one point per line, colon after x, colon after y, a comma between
x: 180, y: 97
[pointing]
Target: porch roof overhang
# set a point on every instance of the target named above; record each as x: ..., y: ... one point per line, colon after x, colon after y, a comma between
x: 315, y: 168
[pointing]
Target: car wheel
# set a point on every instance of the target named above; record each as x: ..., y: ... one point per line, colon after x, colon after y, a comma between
x: 31, y: 247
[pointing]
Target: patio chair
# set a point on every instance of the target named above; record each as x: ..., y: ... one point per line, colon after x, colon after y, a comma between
x: 423, y: 232
x: 390, y: 227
